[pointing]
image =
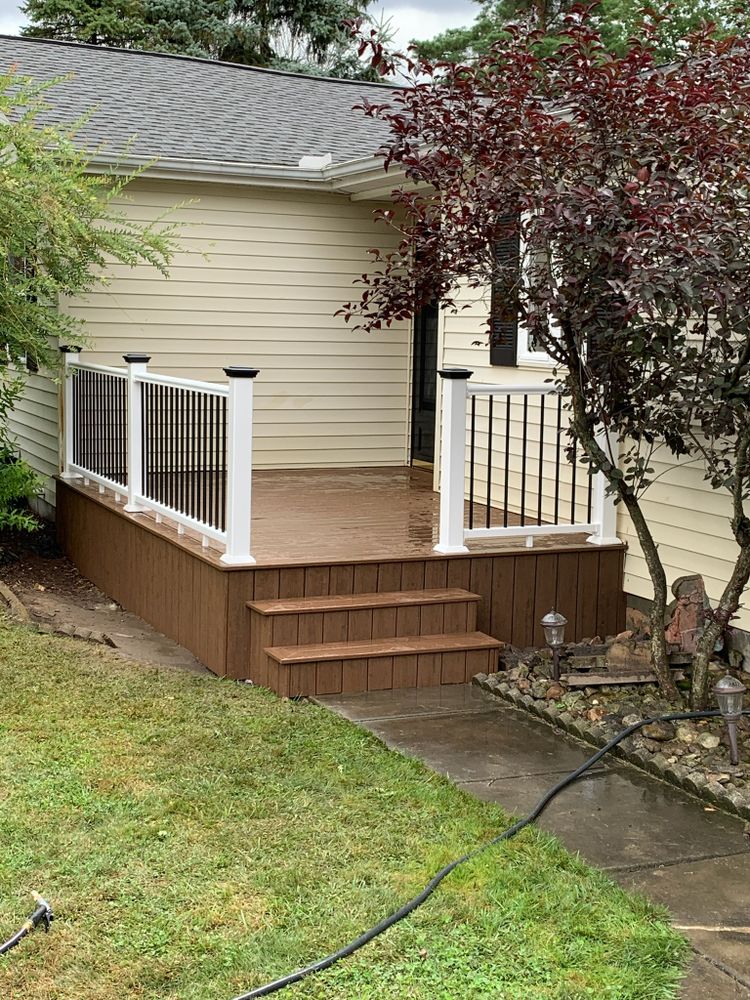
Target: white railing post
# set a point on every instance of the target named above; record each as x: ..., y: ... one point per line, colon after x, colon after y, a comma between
x: 71, y: 356
x: 453, y: 460
x: 239, y: 465
x: 604, y: 510
x: 137, y: 365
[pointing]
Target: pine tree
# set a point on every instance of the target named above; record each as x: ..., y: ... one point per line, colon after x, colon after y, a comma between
x: 299, y: 35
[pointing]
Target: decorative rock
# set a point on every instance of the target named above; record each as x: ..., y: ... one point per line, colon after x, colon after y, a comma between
x: 676, y: 773
x: 554, y: 691
x: 596, y: 714
x: 695, y: 781
x: 708, y: 741
x: 624, y: 636
x: 685, y: 734
x: 631, y: 720
x: 658, y: 764
x: 660, y: 731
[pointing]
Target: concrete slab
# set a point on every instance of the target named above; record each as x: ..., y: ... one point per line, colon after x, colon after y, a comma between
x: 706, y: 982
x: 619, y: 819
x: 710, y: 903
x: 410, y: 702
x: 482, y: 745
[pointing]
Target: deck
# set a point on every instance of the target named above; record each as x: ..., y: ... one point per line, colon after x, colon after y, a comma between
x: 331, y: 532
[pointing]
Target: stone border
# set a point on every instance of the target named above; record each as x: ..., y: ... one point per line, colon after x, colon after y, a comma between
x: 676, y: 774
x: 21, y: 613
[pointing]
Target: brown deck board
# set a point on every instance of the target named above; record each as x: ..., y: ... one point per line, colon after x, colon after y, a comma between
x: 353, y: 602
x: 355, y: 650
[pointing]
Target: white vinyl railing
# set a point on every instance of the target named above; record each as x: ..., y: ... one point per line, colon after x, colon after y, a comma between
x: 509, y: 469
x: 178, y: 448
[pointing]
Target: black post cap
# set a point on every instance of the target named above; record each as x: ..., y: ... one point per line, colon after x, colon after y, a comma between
x: 69, y: 349
x: 454, y: 373
x: 236, y: 371
x: 133, y: 359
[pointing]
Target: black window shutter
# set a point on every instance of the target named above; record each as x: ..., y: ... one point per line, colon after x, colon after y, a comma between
x: 504, y: 299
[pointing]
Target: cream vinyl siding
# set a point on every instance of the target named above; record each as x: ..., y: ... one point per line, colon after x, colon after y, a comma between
x: 33, y: 427
x: 690, y: 521
x: 257, y: 280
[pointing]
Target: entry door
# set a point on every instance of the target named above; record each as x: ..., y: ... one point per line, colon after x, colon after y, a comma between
x: 424, y: 384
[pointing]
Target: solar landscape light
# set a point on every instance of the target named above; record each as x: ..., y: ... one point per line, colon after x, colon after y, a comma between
x: 729, y: 692
x: 553, y: 625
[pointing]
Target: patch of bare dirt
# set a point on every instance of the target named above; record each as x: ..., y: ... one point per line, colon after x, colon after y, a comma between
x: 60, y: 600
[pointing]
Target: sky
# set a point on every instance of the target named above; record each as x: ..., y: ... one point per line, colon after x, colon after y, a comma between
x: 417, y: 19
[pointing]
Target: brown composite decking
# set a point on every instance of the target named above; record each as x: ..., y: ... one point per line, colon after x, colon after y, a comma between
x: 332, y: 532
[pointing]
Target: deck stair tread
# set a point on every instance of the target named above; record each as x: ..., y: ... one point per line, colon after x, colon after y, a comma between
x: 356, y: 602
x: 370, y: 648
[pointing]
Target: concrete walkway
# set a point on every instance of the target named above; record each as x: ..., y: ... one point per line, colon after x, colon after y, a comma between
x: 648, y: 835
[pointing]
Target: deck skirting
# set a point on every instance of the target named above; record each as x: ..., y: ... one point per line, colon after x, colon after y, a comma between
x: 186, y: 593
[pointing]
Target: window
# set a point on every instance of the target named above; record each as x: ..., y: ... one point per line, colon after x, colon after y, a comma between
x: 511, y: 344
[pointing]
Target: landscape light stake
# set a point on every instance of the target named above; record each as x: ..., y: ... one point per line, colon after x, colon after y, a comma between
x: 729, y: 692
x: 554, y: 624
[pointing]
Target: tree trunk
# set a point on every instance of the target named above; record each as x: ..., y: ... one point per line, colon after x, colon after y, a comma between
x: 659, y: 603
x: 727, y: 607
x: 591, y: 446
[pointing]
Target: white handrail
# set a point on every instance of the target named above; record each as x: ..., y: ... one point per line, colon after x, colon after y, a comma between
x: 237, y: 468
x: 102, y: 369
x: 485, y: 389
x: 600, y: 525
x: 183, y: 383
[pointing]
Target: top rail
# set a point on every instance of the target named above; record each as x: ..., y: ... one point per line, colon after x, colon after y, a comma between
x: 102, y: 369
x: 182, y: 383
x: 520, y: 451
x: 217, y: 388
x: 485, y: 389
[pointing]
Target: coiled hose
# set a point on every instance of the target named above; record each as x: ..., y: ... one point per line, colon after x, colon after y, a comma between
x: 42, y: 915
x: 413, y: 904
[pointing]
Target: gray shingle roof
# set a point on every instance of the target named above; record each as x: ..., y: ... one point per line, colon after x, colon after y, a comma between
x: 174, y: 106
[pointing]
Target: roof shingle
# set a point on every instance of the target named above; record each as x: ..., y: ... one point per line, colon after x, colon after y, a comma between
x: 176, y: 106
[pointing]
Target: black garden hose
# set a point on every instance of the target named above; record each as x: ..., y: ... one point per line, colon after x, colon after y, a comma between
x: 413, y: 904
x: 42, y: 915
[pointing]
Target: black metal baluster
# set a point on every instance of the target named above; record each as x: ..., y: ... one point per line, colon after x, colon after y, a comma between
x: 193, y: 454
x: 523, y: 456
x: 183, y: 447
x: 541, y: 460
x: 472, y: 443
x: 573, y: 482
x: 507, y: 460
x: 589, y: 494
x: 558, y: 446
x: 488, y: 513
x: 204, y: 462
x: 211, y: 456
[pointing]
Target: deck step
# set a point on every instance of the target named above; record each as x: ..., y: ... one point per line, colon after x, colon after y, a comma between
x: 377, y: 664
x: 358, y: 602
x: 292, y: 621
x: 403, y: 646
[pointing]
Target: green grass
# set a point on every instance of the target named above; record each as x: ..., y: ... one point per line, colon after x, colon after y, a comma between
x: 198, y: 837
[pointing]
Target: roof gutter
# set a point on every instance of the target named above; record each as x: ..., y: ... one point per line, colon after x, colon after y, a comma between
x: 341, y: 177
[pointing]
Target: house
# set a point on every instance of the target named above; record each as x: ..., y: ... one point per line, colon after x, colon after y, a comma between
x: 371, y: 562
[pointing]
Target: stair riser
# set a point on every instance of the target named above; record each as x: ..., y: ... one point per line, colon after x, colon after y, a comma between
x: 379, y: 673
x: 379, y: 623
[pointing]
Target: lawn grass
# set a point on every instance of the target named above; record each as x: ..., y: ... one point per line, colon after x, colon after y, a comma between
x: 198, y: 837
